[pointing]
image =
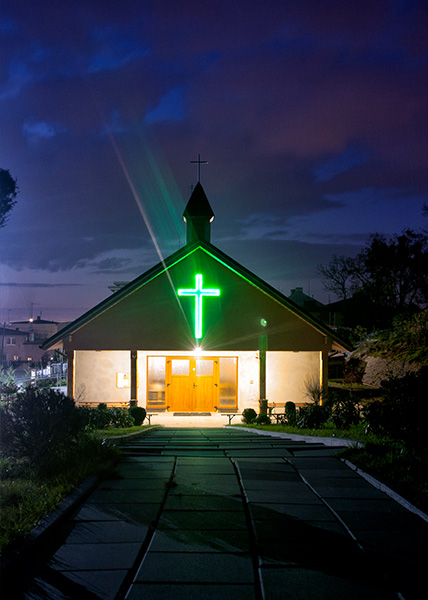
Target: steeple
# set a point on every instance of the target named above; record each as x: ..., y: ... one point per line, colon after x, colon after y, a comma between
x: 198, y: 216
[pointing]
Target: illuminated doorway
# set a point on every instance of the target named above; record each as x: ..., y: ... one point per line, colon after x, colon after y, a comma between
x: 192, y: 384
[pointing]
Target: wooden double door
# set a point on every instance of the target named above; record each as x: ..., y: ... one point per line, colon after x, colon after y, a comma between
x: 192, y: 383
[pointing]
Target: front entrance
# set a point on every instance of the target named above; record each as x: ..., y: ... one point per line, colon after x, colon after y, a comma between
x: 192, y: 384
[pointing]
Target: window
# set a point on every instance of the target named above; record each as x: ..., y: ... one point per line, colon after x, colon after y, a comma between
x: 228, y: 373
x: 180, y: 366
x: 204, y: 367
x: 10, y: 341
x: 156, y: 381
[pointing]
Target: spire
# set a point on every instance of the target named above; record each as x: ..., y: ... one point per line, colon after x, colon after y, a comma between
x: 198, y: 215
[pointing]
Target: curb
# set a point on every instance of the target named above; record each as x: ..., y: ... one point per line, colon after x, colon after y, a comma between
x: 21, y: 550
x: 387, y: 490
x: 130, y: 435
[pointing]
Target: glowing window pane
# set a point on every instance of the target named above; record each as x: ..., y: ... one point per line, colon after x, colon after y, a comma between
x: 156, y: 381
x: 227, y: 395
x: 180, y: 367
x: 204, y: 367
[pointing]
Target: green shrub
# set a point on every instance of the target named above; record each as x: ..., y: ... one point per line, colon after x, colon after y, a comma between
x: 102, y: 417
x: 290, y: 413
x: 262, y: 420
x: 138, y: 413
x: 248, y: 415
x: 8, y: 387
x: 403, y: 412
x: 37, y: 422
x: 344, y: 410
x: 311, y: 416
x: 120, y: 417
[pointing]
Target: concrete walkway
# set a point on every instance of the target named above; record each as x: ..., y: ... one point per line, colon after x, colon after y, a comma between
x: 226, y: 514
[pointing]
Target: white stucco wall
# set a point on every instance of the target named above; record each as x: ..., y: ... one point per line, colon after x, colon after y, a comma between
x: 95, y: 376
x: 287, y: 373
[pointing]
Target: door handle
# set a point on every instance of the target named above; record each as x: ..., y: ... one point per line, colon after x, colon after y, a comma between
x: 195, y: 385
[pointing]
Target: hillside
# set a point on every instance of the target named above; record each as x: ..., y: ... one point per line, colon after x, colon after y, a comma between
x: 396, y: 351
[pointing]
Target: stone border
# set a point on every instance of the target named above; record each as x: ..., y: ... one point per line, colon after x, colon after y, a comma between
x: 387, y: 490
x: 310, y: 439
x: 332, y: 442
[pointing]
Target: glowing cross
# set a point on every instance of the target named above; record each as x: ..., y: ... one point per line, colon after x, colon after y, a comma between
x: 199, y: 162
x: 198, y: 292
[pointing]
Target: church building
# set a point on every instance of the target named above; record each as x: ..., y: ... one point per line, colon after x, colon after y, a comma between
x: 196, y: 334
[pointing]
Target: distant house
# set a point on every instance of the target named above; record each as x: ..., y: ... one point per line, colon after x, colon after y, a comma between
x: 38, y: 329
x: 13, y: 346
x: 310, y: 304
x: 21, y: 340
x: 197, y: 333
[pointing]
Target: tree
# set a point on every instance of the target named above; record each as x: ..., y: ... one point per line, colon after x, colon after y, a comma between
x: 394, y: 273
x: 8, y: 193
x: 337, y: 275
x: 391, y: 274
x: 8, y: 387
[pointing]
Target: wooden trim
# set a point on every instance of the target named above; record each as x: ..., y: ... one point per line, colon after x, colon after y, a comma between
x: 133, y: 399
x: 70, y: 373
x: 263, y: 346
x: 323, y: 372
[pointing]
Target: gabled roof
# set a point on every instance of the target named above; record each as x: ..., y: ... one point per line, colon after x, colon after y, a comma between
x: 172, y: 260
x: 9, y: 331
x: 299, y: 297
x: 37, y: 321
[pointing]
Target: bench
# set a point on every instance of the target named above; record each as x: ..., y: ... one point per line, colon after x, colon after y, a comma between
x: 283, y: 414
x: 150, y: 413
x: 149, y: 416
x: 276, y: 415
x: 229, y: 414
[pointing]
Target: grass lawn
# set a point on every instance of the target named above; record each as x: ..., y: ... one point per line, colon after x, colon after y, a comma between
x: 117, y: 431
x: 355, y: 432
x: 26, y: 496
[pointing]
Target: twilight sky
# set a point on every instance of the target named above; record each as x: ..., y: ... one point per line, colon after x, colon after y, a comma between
x: 313, y: 117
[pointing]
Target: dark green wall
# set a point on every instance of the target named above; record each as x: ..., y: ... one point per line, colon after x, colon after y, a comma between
x: 153, y: 317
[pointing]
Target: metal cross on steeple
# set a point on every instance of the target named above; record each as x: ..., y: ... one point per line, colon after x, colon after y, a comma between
x: 199, y: 162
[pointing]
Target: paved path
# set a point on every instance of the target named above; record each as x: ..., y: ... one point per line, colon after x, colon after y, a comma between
x: 223, y: 514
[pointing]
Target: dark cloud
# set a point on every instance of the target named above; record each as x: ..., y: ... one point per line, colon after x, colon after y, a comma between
x: 313, y: 116
x: 38, y: 285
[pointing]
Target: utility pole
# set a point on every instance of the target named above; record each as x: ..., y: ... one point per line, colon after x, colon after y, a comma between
x: 2, y: 343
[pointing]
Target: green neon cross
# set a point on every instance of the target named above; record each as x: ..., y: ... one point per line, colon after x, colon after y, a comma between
x: 198, y: 292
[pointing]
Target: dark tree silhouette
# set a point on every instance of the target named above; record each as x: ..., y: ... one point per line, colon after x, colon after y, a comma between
x: 337, y: 276
x: 8, y: 193
x: 391, y: 274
